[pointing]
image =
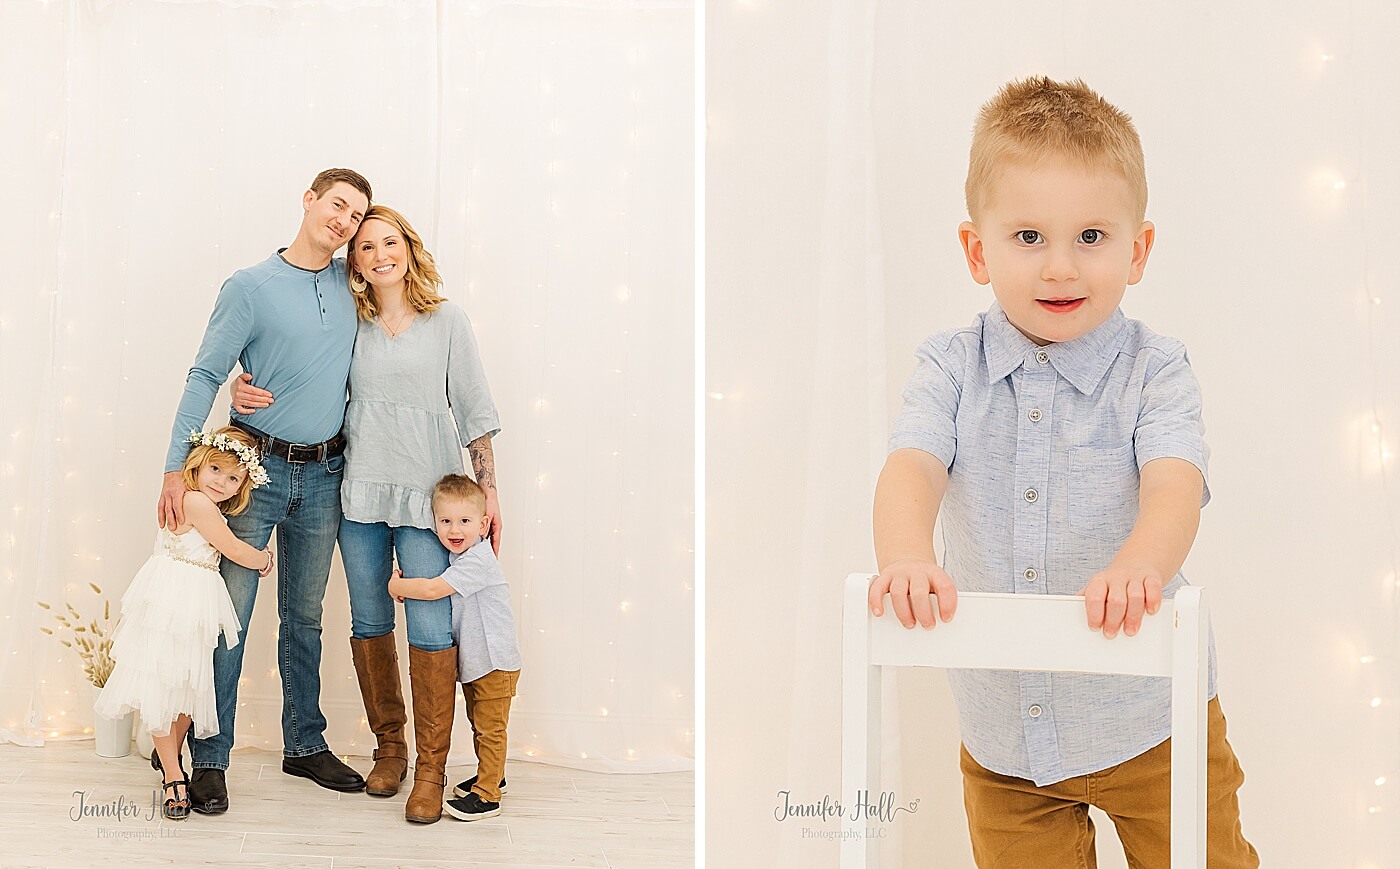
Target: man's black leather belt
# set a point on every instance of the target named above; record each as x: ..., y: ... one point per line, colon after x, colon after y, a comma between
x: 295, y: 453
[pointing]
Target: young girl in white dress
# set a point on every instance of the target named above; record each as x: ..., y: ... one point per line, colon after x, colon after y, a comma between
x: 176, y: 607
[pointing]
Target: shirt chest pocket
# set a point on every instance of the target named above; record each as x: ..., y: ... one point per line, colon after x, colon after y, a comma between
x: 1103, y: 492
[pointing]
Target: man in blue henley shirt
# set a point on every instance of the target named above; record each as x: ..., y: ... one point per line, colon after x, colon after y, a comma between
x: 291, y: 319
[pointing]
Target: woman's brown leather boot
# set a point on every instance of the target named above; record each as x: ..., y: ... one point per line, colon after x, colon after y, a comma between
x: 377, y: 664
x: 433, y: 676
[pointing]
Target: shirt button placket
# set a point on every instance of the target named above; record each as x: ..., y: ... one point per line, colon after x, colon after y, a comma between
x: 1034, y: 457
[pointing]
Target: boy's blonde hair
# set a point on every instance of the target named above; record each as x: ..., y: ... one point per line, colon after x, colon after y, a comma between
x: 203, y: 454
x: 1034, y: 118
x: 459, y: 487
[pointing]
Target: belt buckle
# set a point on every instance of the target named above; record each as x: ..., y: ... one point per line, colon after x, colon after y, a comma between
x: 300, y: 454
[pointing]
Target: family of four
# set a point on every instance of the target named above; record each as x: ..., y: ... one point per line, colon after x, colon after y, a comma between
x: 381, y: 473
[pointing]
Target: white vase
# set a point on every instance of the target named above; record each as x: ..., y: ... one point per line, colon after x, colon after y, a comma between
x: 144, y: 744
x: 112, y: 735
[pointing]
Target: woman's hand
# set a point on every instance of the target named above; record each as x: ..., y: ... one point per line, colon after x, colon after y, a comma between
x: 247, y: 398
x: 493, y: 513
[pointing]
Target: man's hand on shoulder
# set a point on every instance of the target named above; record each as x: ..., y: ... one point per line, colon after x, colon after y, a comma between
x: 170, y: 508
x: 914, y: 585
x: 1119, y: 596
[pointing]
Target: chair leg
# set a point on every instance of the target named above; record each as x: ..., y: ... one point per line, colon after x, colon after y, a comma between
x: 1190, y: 663
x: 860, y: 730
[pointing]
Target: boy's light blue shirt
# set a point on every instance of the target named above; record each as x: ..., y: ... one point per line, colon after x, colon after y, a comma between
x: 294, y: 329
x: 1043, y: 447
x: 481, y: 619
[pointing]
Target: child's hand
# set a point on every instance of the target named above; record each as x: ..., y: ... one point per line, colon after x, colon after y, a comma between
x: 910, y: 584
x: 266, y: 570
x: 1118, y: 597
x: 396, y: 583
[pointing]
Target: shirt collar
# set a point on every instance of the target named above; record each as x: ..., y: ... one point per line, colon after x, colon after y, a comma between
x: 1083, y: 361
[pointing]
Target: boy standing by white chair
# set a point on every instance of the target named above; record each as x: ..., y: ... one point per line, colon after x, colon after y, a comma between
x: 1062, y: 444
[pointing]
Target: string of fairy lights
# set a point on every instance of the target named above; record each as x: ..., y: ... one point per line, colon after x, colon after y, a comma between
x: 64, y: 707
x: 1378, y: 672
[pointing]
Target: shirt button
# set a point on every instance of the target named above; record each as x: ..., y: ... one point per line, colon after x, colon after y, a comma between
x: 1030, y: 574
x: 323, y: 310
x: 1034, y: 414
x: 1031, y: 495
x: 1042, y: 357
x: 1035, y: 711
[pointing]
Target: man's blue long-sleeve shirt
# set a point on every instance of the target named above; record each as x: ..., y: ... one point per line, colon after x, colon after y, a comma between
x: 294, y: 329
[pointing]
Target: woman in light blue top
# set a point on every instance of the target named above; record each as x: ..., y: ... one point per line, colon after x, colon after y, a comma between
x: 418, y: 395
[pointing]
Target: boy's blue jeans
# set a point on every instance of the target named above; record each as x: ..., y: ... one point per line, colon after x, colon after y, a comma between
x: 302, y: 502
x: 368, y: 551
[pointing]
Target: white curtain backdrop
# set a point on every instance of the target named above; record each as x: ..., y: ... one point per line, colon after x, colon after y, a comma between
x: 838, y: 147
x: 543, y: 150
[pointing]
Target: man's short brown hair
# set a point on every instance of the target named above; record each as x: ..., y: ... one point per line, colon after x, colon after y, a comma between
x: 1034, y: 118
x: 459, y: 487
x: 328, y: 178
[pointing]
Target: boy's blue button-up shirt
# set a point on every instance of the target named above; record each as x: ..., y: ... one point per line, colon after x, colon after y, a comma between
x: 294, y: 329
x: 1043, y: 447
x: 482, y: 622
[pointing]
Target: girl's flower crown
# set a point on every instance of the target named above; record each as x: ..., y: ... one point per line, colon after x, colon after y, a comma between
x: 247, y: 456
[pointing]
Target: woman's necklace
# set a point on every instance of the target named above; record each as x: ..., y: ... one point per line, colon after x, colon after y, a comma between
x: 398, y: 327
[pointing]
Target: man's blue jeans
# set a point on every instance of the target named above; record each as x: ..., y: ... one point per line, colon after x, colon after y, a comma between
x: 368, y: 551
x: 302, y: 502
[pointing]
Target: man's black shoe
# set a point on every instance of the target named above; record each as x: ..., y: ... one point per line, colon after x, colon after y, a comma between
x: 326, y: 770
x: 208, y: 793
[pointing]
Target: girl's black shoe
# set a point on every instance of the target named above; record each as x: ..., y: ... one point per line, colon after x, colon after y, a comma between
x: 176, y: 807
x: 155, y: 762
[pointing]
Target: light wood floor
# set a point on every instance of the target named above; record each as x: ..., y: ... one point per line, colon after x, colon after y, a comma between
x: 551, y: 817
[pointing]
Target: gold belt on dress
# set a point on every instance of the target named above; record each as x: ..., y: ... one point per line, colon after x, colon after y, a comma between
x: 204, y: 564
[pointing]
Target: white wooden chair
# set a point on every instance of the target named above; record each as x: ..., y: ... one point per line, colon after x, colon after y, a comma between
x: 1026, y: 632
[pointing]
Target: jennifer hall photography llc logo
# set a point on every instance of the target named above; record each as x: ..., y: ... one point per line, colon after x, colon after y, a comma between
x: 128, y: 817
x: 872, y: 814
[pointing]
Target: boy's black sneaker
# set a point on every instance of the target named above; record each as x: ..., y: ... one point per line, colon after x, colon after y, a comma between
x: 465, y: 787
x: 472, y: 808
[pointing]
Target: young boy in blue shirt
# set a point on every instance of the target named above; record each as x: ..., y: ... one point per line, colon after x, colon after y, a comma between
x: 488, y: 658
x: 1060, y: 442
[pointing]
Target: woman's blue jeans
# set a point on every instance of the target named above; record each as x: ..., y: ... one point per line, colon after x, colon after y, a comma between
x: 368, y: 551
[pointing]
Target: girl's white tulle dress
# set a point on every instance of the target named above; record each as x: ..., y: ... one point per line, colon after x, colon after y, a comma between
x: 172, y: 615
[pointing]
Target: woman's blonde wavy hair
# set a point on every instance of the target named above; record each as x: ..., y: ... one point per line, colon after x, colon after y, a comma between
x: 420, y: 283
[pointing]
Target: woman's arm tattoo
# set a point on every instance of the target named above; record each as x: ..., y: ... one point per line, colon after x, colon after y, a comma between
x: 483, y: 462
